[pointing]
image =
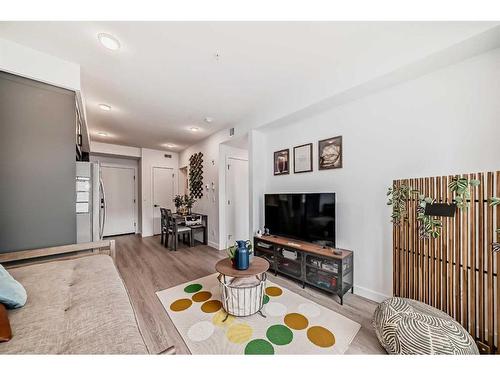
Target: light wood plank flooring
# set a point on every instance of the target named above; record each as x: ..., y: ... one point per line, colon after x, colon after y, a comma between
x: 147, y: 267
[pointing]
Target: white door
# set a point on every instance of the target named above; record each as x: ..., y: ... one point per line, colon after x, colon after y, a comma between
x: 119, y: 187
x: 163, y: 194
x: 237, y: 226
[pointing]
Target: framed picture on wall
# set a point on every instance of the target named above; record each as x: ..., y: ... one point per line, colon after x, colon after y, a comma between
x: 282, y: 162
x: 302, y: 158
x: 330, y: 153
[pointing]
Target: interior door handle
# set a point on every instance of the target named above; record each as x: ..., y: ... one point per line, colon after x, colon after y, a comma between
x: 156, y: 205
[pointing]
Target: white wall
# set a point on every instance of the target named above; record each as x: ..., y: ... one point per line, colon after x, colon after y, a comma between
x: 445, y: 122
x: 209, y: 203
x: 131, y: 163
x: 116, y: 150
x: 149, y: 159
x: 226, y: 152
x: 27, y: 62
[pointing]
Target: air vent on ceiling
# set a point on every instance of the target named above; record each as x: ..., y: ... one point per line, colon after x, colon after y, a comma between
x: 168, y: 156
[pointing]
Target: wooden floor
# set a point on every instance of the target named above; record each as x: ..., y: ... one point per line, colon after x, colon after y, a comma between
x: 147, y: 267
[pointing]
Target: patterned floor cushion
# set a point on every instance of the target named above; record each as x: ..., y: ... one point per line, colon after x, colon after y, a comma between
x: 406, y: 326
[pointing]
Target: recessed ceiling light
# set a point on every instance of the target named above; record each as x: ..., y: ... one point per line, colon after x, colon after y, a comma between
x: 105, y: 107
x: 194, y: 129
x: 102, y: 134
x: 170, y: 145
x: 209, y: 120
x: 109, y: 41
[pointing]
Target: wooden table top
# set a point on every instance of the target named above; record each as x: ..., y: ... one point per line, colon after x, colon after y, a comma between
x: 258, y: 266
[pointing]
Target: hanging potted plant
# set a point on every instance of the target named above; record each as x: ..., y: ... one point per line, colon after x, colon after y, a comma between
x: 461, y: 187
x: 429, y: 226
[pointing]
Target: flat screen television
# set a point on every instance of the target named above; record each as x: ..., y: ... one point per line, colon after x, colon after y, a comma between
x: 303, y: 216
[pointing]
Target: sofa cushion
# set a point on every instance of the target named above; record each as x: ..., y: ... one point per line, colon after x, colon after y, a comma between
x: 76, y: 306
x: 12, y: 293
x: 406, y: 326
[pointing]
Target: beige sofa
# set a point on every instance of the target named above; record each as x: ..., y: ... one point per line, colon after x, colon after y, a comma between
x: 75, y: 306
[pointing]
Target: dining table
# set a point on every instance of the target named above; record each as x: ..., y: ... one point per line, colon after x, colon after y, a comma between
x: 181, y: 219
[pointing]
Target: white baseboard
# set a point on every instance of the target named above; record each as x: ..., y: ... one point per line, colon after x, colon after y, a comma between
x: 215, y: 245
x: 370, y: 294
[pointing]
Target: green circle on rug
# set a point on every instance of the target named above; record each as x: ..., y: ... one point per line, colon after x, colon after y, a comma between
x: 259, y: 346
x: 279, y: 334
x: 266, y: 299
x: 193, y: 288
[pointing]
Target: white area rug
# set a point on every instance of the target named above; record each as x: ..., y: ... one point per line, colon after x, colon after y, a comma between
x: 293, y: 324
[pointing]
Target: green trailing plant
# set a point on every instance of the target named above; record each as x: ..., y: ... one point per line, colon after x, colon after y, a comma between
x: 231, y: 250
x: 461, y: 187
x: 429, y: 226
x: 495, y: 201
x: 397, y: 199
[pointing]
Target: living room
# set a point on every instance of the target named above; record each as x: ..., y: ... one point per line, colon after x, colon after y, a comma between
x: 250, y: 188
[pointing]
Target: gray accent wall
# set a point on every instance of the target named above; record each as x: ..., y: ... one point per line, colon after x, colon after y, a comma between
x: 37, y: 164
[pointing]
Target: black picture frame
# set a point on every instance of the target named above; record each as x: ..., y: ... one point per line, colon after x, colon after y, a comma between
x: 333, y: 159
x: 310, y: 169
x: 281, y: 162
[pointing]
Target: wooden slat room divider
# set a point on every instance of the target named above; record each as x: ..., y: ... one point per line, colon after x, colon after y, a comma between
x: 458, y: 271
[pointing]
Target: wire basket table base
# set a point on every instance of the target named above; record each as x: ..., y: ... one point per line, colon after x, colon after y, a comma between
x: 241, y: 301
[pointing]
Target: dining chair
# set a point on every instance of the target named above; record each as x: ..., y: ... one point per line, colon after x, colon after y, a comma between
x: 164, y: 222
x: 174, y: 229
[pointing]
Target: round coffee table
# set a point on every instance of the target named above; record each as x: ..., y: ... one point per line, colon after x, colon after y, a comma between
x: 242, y: 300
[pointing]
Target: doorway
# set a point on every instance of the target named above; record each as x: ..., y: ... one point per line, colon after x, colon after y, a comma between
x: 183, y: 181
x: 163, y: 194
x: 237, y: 204
x: 119, y: 185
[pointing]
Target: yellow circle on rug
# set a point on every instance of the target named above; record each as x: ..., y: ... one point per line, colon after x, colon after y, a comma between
x: 181, y: 304
x: 296, y: 321
x: 320, y: 336
x: 239, y: 333
x: 211, y: 306
x: 219, y: 317
x: 201, y: 296
x: 273, y: 291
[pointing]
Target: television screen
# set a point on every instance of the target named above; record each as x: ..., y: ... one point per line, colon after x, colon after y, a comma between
x: 304, y: 216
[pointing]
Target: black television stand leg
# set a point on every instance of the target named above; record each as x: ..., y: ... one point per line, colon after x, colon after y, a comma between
x: 341, y: 300
x: 303, y: 284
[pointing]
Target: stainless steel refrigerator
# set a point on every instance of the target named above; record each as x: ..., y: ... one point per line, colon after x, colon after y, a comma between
x: 90, y: 202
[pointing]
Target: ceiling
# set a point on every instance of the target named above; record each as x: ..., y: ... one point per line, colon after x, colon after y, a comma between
x: 166, y: 78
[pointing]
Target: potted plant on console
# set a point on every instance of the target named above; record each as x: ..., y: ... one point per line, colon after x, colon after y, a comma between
x: 178, y: 202
x: 239, y: 253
